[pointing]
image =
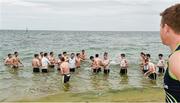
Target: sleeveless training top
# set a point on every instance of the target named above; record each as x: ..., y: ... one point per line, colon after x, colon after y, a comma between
x: 172, y: 85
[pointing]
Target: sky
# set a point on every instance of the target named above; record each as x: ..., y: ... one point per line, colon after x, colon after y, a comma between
x: 91, y: 15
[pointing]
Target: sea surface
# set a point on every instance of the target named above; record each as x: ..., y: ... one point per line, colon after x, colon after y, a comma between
x: 18, y: 84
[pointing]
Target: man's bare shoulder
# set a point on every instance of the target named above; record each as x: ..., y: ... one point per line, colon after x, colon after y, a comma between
x: 174, y: 63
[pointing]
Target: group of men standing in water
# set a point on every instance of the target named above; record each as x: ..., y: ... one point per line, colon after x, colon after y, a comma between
x: 65, y: 64
x: 13, y: 60
x: 149, y: 68
x: 44, y: 62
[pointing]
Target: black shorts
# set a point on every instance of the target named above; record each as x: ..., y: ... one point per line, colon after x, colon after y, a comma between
x: 15, y: 66
x: 153, y: 76
x: 51, y: 66
x: 66, y: 78
x: 144, y: 71
x: 44, y: 70
x: 72, y: 69
x: 123, y: 71
x: 95, y: 70
x: 36, y: 70
x: 106, y: 71
x: 99, y: 70
x: 161, y: 70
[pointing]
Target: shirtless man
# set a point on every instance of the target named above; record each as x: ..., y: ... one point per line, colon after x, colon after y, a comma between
x: 36, y: 63
x: 142, y: 60
x: 65, y: 70
x: 41, y: 55
x: 170, y: 36
x: 65, y: 56
x: 78, y: 60
x: 148, y: 56
x: 83, y: 55
x: 52, y: 59
x: 106, y: 63
x: 151, y: 73
x: 16, y: 61
x: 161, y: 64
x: 123, y: 65
x: 94, y: 65
x: 99, y: 62
x: 59, y: 61
x: 45, y: 63
x: 8, y: 60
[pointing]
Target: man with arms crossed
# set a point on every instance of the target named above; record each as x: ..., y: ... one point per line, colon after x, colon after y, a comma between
x: 170, y: 36
x: 16, y: 61
x: 36, y: 63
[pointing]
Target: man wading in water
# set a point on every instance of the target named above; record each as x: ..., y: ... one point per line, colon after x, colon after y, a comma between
x: 170, y: 35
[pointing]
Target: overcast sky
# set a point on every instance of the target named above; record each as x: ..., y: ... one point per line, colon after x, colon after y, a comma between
x: 100, y: 15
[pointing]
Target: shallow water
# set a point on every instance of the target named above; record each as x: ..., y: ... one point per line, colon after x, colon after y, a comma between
x: 17, y: 84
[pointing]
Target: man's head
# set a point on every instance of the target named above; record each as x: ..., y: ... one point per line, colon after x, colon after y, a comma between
x: 77, y: 54
x: 64, y: 53
x: 97, y: 55
x: 83, y: 51
x: 148, y: 56
x: 123, y: 55
x: 72, y: 55
x: 16, y: 54
x: 105, y: 55
x: 36, y: 55
x: 51, y: 53
x: 59, y: 55
x: 160, y: 56
x: 9, y: 55
x: 41, y: 53
x: 45, y: 54
x: 91, y: 58
x: 170, y: 24
x: 143, y: 54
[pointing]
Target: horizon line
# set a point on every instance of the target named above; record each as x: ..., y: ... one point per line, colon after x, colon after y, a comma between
x: 81, y: 30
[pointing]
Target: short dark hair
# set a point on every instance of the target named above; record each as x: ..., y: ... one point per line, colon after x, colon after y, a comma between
x: 64, y: 52
x: 171, y: 17
x: 83, y: 50
x: 123, y: 55
x: 142, y: 53
x: 15, y: 52
x: 59, y: 55
x: 77, y: 54
x: 91, y: 57
x: 161, y: 55
x: 62, y: 59
x: 36, y: 55
x: 97, y: 55
x: 9, y: 54
x: 41, y: 53
x: 51, y: 53
x: 105, y: 53
x: 148, y: 55
x: 45, y: 54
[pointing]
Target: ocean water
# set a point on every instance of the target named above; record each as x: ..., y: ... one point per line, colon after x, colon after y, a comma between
x: 22, y: 83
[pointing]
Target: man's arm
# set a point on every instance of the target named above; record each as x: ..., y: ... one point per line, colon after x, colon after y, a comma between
x: 174, y: 64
